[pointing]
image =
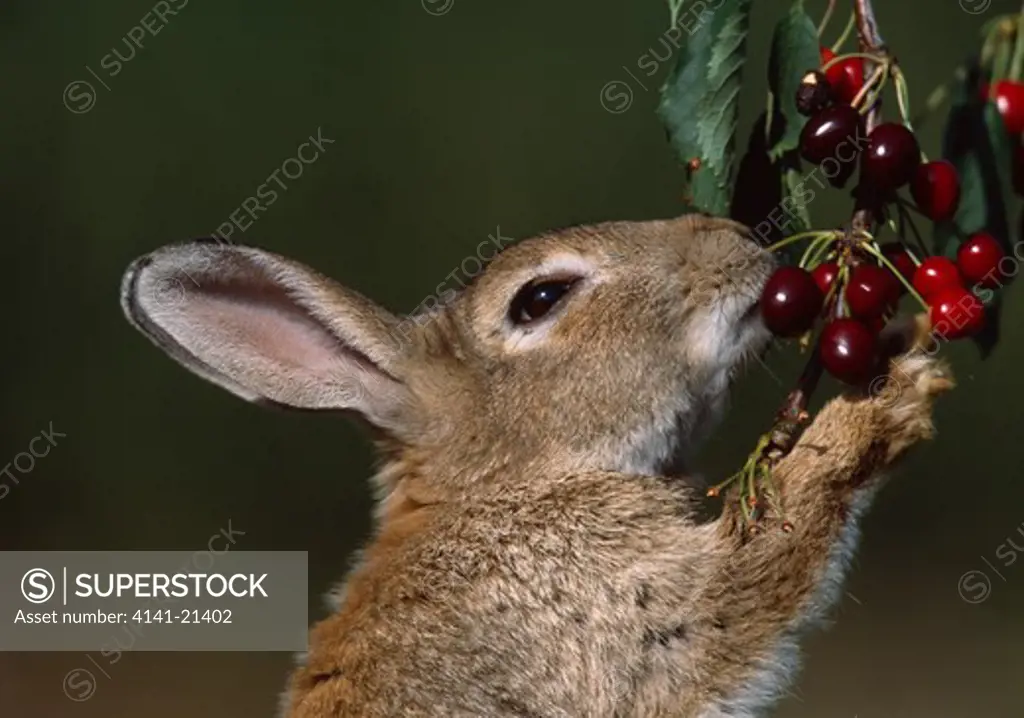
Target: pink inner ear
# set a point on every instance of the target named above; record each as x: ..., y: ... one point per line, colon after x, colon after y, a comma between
x: 265, y: 328
x: 276, y: 331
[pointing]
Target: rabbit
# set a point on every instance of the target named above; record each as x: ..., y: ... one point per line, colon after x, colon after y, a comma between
x: 538, y: 550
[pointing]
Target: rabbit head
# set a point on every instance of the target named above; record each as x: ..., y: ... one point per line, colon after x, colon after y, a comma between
x: 605, y: 347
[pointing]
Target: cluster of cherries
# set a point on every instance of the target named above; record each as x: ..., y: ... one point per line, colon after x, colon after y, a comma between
x: 794, y: 298
x: 855, y: 286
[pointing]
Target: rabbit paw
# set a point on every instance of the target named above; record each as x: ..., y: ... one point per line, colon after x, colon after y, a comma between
x: 907, y: 394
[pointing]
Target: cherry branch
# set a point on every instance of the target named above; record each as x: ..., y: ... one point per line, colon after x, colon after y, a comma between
x: 794, y: 410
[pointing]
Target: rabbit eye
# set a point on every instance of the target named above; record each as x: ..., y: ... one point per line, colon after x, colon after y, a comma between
x: 538, y: 298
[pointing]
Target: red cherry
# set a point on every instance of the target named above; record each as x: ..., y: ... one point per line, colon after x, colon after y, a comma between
x: 871, y: 291
x: 936, y: 274
x: 790, y: 302
x: 824, y: 275
x: 827, y: 131
x: 846, y: 76
x: 1009, y: 98
x: 849, y: 350
x: 891, y: 158
x: 936, y: 189
x: 901, y: 259
x: 979, y: 260
x: 956, y: 313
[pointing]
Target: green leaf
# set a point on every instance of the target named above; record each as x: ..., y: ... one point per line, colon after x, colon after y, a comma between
x: 700, y: 102
x: 772, y: 197
x: 795, y: 191
x: 795, y: 52
x: 976, y: 142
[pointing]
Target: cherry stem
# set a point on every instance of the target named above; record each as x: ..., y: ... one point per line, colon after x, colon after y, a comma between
x: 819, y: 251
x: 911, y: 206
x: 996, y: 32
x: 850, y: 24
x: 814, y: 249
x: 826, y: 17
x: 905, y: 221
x: 1017, y: 63
x: 903, y: 206
x: 833, y: 291
x: 841, y: 309
x: 903, y: 97
x: 878, y: 77
x: 1001, y: 64
x: 851, y: 56
x: 871, y: 249
x: 816, y: 234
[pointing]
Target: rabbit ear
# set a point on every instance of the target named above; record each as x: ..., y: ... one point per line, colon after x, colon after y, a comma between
x: 268, y: 329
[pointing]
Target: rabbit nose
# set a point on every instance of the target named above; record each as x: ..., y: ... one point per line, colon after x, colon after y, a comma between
x: 726, y: 255
x: 731, y: 242
x: 717, y: 246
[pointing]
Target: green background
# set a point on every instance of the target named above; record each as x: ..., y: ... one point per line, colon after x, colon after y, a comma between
x: 446, y: 127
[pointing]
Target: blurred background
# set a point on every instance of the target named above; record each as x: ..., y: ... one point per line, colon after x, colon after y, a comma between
x: 449, y: 122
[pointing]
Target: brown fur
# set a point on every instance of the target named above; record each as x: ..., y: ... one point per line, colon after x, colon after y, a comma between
x: 535, y: 554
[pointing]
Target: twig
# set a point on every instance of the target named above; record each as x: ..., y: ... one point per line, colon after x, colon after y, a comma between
x: 867, y: 26
x: 796, y: 402
x: 870, y: 42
